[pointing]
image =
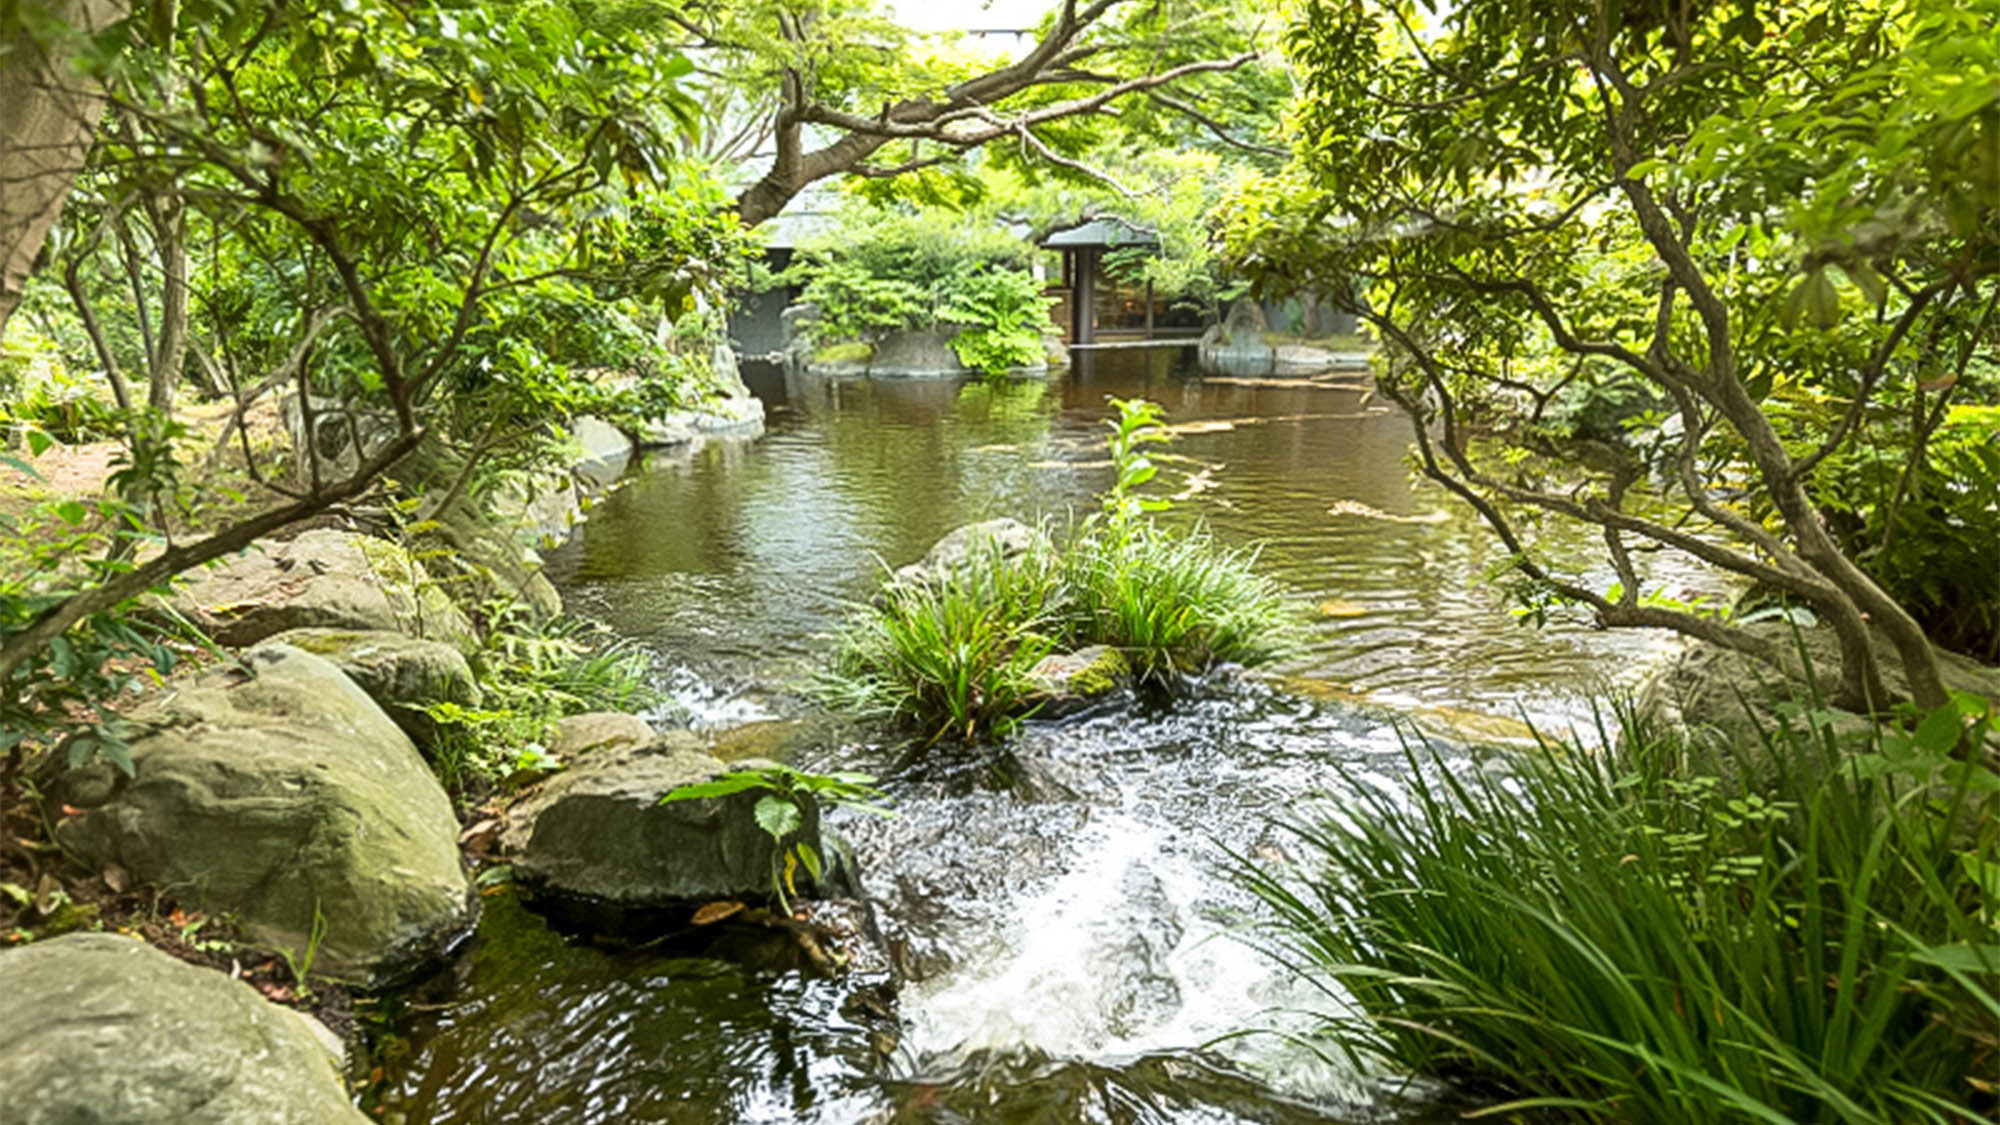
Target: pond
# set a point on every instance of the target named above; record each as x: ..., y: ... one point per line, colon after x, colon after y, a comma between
x: 1064, y: 902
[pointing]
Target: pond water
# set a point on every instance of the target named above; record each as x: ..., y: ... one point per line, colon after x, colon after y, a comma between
x: 1063, y: 902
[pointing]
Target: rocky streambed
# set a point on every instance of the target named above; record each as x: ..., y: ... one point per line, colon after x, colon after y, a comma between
x: 1047, y: 930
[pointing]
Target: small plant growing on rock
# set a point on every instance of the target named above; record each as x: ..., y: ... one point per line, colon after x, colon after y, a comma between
x: 781, y: 812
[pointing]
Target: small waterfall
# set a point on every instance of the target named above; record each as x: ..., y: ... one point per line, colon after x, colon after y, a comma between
x: 1116, y: 958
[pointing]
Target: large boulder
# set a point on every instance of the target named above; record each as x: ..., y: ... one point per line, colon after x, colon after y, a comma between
x: 1237, y: 345
x: 279, y: 793
x: 1721, y: 695
x: 403, y: 675
x: 334, y: 579
x: 1013, y: 539
x: 598, y: 831
x: 110, y: 1031
x: 603, y: 450
x: 916, y: 353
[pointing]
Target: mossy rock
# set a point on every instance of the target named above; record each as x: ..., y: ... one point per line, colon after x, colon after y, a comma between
x: 849, y: 351
x: 278, y: 792
x: 108, y: 1029
x: 325, y: 579
x: 1072, y: 681
x: 404, y: 675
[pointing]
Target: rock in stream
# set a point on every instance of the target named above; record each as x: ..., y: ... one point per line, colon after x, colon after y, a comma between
x: 110, y: 1031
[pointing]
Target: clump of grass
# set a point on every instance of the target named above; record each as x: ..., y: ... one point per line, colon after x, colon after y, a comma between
x: 1632, y: 938
x: 1172, y: 600
x: 954, y: 654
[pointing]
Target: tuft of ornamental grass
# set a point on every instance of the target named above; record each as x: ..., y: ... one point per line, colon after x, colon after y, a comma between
x: 1173, y: 600
x: 1634, y: 938
x: 953, y: 655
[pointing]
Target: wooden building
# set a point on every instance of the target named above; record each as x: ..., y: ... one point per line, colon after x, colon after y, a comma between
x: 1093, y: 305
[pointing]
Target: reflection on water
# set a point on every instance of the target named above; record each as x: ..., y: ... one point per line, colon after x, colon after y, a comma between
x: 1061, y: 903
x: 736, y: 557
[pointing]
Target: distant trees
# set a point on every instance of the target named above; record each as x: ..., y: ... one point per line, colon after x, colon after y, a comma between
x: 835, y: 88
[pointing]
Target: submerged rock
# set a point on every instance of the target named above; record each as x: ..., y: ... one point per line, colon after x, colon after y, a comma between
x: 323, y: 578
x: 1072, y: 681
x: 597, y: 730
x: 285, y: 797
x: 401, y: 674
x: 1013, y: 539
x: 109, y: 1030
x: 598, y: 831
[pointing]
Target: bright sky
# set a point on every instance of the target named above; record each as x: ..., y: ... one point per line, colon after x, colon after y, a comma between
x: 963, y: 15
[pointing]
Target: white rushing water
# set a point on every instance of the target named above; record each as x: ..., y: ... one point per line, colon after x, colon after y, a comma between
x: 1122, y: 955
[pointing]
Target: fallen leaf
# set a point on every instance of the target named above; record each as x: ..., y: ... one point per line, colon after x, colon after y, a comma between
x: 48, y: 895
x: 72, y: 810
x: 1340, y: 607
x: 116, y: 879
x: 715, y: 912
x: 481, y: 837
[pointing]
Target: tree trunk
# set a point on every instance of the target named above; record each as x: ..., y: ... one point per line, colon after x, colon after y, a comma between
x: 51, y: 119
x: 169, y: 221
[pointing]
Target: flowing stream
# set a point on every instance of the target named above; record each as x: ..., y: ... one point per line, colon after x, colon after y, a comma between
x: 1064, y: 901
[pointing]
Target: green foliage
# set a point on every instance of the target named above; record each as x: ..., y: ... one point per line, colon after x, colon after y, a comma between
x: 883, y: 271
x: 856, y: 305
x: 788, y: 795
x: 434, y: 216
x: 1636, y: 938
x: 955, y: 654
x: 45, y: 397
x: 1778, y: 220
x: 1002, y: 316
x: 529, y: 676
x: 1138, y: 425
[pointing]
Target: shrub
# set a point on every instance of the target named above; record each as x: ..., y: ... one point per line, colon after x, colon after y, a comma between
x: 954, y: 655
x: 1002, y: 315
x: 1632, y: 938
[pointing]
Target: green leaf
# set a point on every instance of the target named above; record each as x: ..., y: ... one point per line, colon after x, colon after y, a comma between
x: 38, y: 442
x: 1868, y: 281
x: 809, y: 856
x: 719, y: 787
x: 777, y: 816
x: 23, y: 467
x: 1941, y: 730
x: 1965, y: 957
x: 72, y: 512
